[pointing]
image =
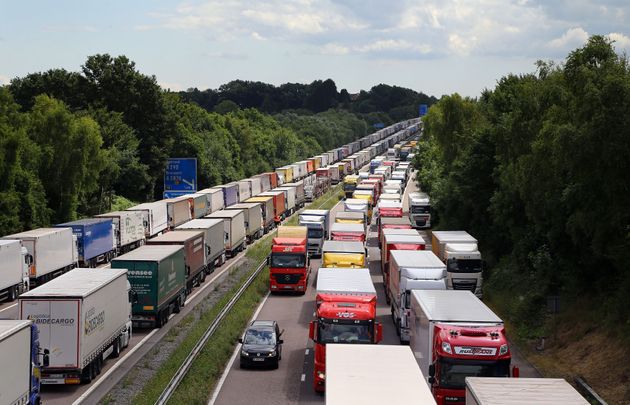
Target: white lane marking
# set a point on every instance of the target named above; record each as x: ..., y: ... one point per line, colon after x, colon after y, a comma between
x: 10, y: 306
x: 303, y: 378
x: 114, y: 368
x: 217, y: 389
x: 306, y: 352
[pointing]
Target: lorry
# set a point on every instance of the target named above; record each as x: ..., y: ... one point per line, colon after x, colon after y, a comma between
x: 268, y: 212
x: 366, y: 195
x: 454, y: 335
x: 389, y: 209
x: 14, y: 275
x: 199, y: 204
x: 393, y: 239
x: 392, y: 223
x: 234, y: 230
x: 192, y: 240
x: 419, y: 209
x: 300, y: 196
x: 213, y: 238
x: 357, y: 205
x: 458, y: 249
x: 215, y: 199
x: 349, y: 217
x: 289, y: 266
x: 95, y: 240
x: 154, y: 217
x: 22, y: 360
x: 370, y: 374
x: 343, y: 254
x: 347, y: 232
x: 50, y: 252
x: 279, y: 205
x: 345, y: 313
x: 178, y: 211
x: 83, y: 317
x: 254, y: 228
x: 244, y: 190
x: 316, y: 221
x: 230, y: 193
x: 290, y: 198
x: 411, y: 270
x: 255, y: 185
x: 349, y: 185
x: 495, y: 390
x: 128, y: 229
x: 157, y: 275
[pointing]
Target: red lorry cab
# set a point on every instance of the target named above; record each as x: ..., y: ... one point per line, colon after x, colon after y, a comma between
x: 289, y: 266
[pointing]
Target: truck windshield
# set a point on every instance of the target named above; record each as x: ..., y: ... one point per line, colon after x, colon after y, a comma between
x: 349, y: 187
x: 315, y: 233
x: 453, y: 372
x: 288, y: 260
x: 351, y: 332
x: 464, y: 266
x: 420, y: 209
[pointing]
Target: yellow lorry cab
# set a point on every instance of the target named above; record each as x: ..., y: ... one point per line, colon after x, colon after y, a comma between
x: 365, y: 195
x: 343, y: 254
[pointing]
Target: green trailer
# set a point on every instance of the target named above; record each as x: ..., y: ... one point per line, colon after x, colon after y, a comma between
x: 157, y: 274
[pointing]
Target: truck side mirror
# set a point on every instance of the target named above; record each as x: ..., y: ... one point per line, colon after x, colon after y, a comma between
x: 240, y: 340
x: 133, y: 297
x: 46, y: 358
x: 516, y: 372
x: 311, y: 330
x: 379, y: 332
x: 432, y: 370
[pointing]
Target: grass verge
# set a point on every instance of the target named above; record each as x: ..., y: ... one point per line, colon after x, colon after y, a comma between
x: 325, y: 202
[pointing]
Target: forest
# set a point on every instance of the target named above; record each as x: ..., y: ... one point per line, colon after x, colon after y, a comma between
x: 537, y: 170
x: 74, y: 144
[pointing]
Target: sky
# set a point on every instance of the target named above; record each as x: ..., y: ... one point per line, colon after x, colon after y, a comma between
x: 433, y: 46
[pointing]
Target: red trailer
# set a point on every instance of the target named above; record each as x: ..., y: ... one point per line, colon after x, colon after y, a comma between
x: 279, y: 204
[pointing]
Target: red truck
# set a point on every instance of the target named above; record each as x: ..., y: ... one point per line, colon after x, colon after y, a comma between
x: 289, y: 266
x: 345, y: 314
x: 279, y: 205
x: 454, y: 335
x: 394, y: 240
x: 392, y: 223
x: 347, y: 232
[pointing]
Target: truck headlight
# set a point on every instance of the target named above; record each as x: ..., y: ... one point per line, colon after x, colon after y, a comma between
x: 503, y: 350
x: 446, y: 348
x: 321, y: 375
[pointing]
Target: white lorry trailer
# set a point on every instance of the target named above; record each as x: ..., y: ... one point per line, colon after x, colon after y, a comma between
x: 419, y: 209
x: 464, y: 265
x: 498, y: 391
x: 411, y: 270
x: 370, y: 374
x: 234, y: 230
x: 14, y: 274
x: 214, y: 240
x: 155, y: 217
x: 83, y: 317
x: 129, y: 230
x: 50, y: 252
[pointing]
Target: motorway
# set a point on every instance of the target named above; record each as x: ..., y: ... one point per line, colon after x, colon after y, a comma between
x: 292, y: 382
x: 142, y: 341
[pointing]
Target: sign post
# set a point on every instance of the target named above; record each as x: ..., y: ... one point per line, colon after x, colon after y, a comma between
x: 180, y: 177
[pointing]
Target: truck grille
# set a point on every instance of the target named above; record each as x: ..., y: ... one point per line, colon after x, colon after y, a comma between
x: 287, y: 278
x: 421, y: 221
x: 465, y: 284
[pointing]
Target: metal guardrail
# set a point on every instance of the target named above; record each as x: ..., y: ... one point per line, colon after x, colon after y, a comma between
x: 588, y: 392
x: 183, y: 369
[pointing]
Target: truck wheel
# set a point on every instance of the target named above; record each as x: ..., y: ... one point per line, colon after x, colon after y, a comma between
x: 202, y: 276
x: 116, y: 348
x: 86, y: 374
x: 176, y: 308
x: 11, y: 294
x: 98, y: 365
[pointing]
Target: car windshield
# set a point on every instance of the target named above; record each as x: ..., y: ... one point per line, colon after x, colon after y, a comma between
x: 464, y: 265
x: 453, y: 373
x: 420, y: 209
x: 259, y: 337
x: 344, y: 332
x: 288, y: 260
x: 315, y: 233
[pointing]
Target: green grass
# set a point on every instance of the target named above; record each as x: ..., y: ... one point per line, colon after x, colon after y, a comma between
x: 325, y: 202
x: 216, y: 352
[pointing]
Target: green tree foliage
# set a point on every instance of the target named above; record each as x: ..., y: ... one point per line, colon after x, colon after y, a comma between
x: 537, y: 170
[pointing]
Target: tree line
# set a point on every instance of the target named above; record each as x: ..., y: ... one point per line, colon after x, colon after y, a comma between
x: 74, y: 144
x: 381, y: 104
x: 537, y: 169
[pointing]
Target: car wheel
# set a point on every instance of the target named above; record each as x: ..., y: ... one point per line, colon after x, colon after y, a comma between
x: 276, y: 364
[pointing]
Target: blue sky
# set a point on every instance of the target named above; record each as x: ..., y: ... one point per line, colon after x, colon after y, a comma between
x: 434, y: 46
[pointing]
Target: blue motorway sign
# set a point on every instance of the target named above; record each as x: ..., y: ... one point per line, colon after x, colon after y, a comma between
x: 378, y: 125
x: 181, y: 175
x: 423, y: 109
x: 174, y: 194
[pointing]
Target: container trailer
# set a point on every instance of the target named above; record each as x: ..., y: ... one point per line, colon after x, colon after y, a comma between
x: 14, y: 278
x: 154, y: 217
x: 95, y: 238
x: 213, y: 238
x: 128, y: 229
x: 254, y: 226
x: 234, y: 228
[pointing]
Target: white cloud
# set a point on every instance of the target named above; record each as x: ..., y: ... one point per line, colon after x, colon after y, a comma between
x: 171, y: 86
x: 334, y: 49
x: 461, y: 45
x: 571, y: 38
x: 621, y: 40
x: 394, y: 45
x: 69, y: 28
x: 4, y: 80
x: 258, y: 37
